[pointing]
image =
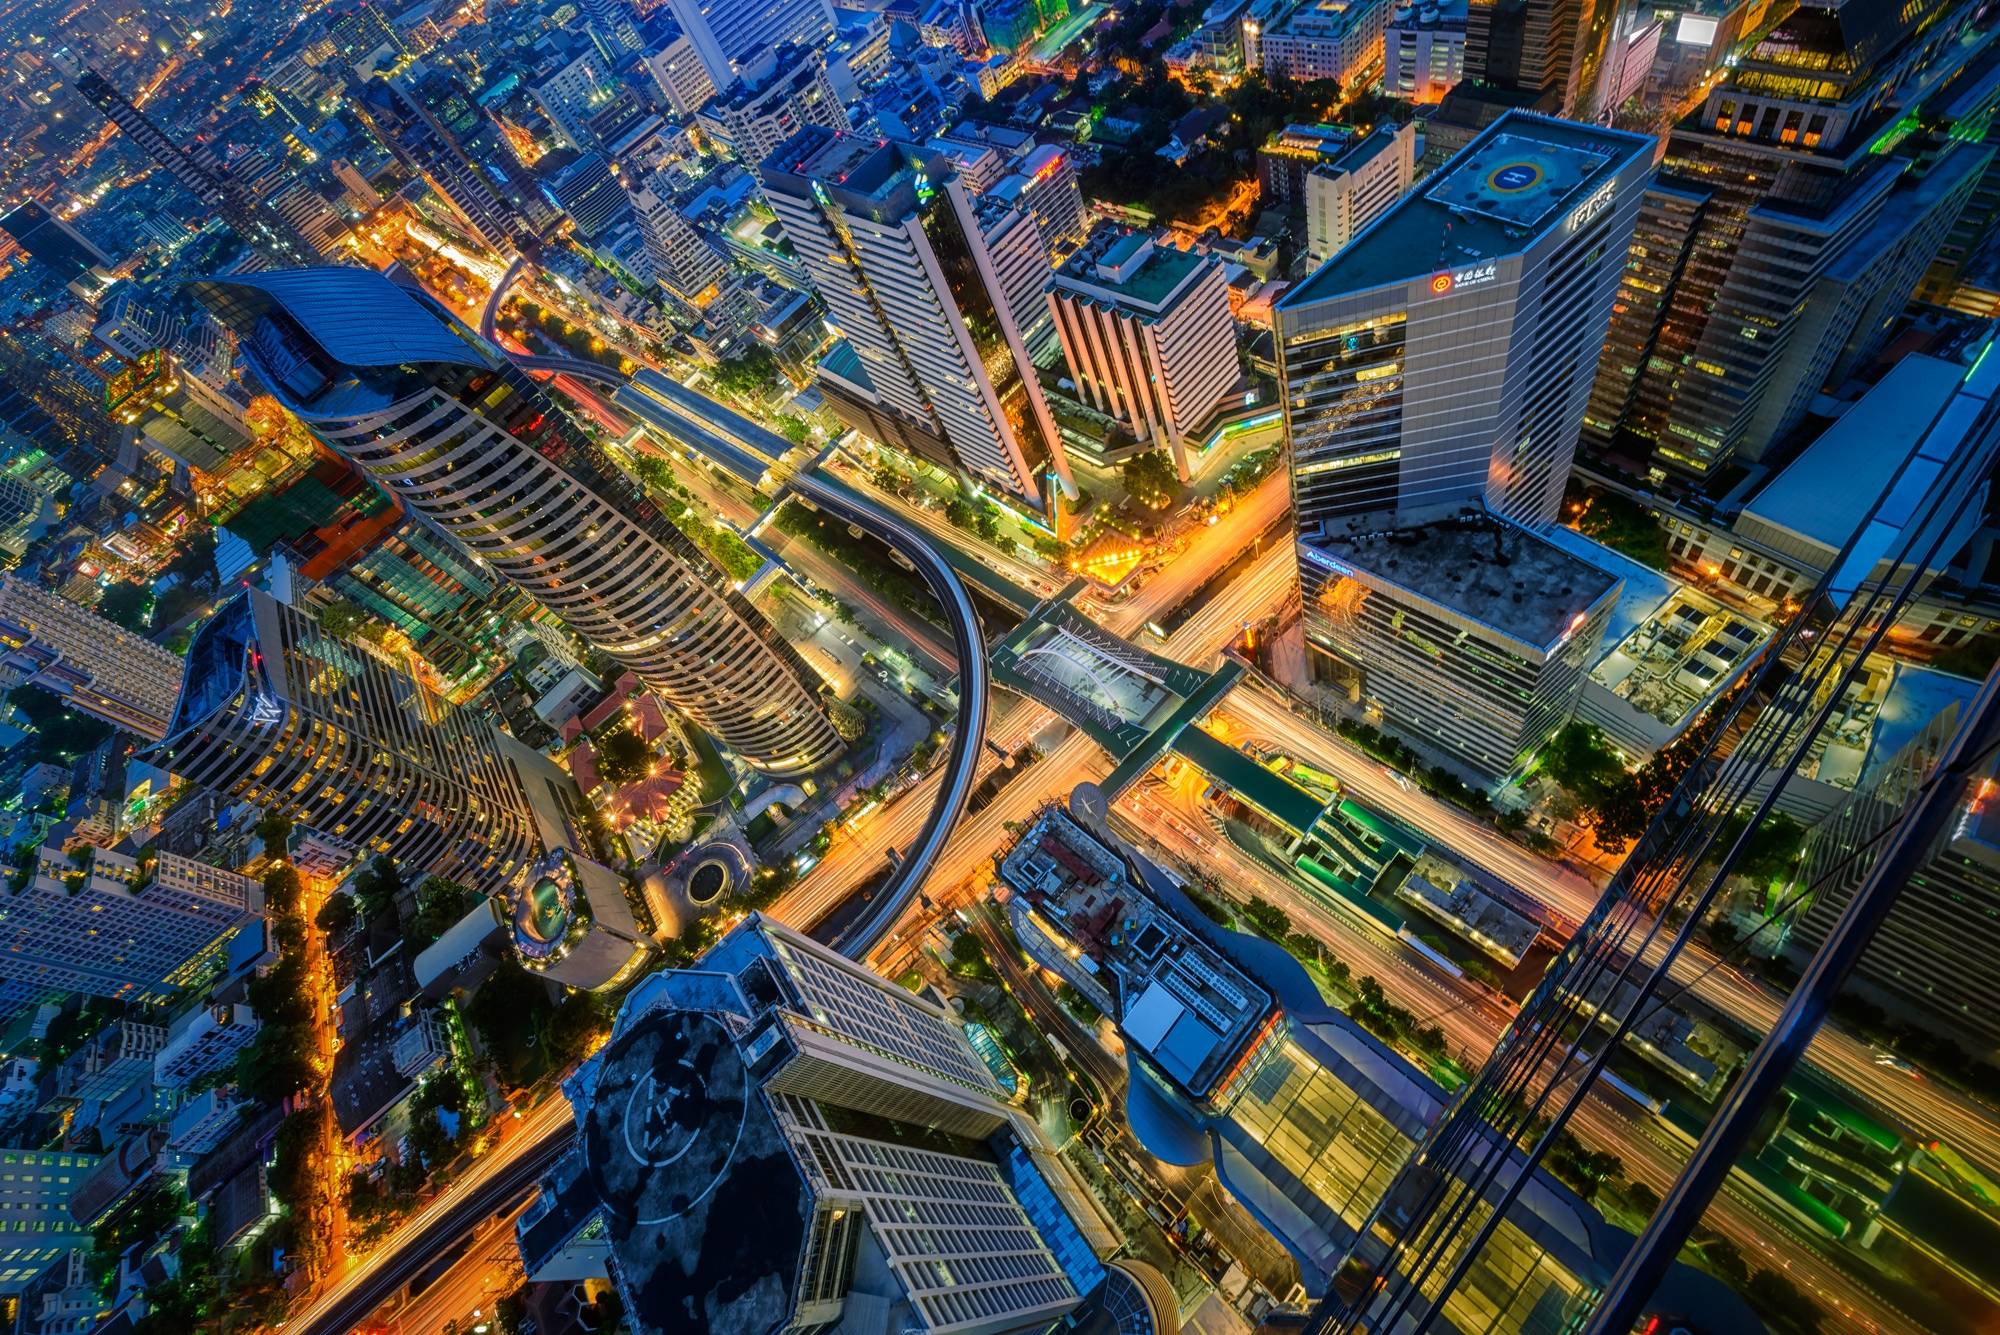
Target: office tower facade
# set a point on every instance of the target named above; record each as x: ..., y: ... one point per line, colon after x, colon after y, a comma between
x: 1443, y: 357
x: 101, y: 668
x: 1356, y: 188
x: 853, y: 1161
x: 1147, y: 334
x: 589, y: 192
x: 259, y: 227
x: 680, y: 76
x: 781, y: 91
x: 1439, y: 365
x: 362, y: 32
x: 53, y: 243
x: 123, y: 928
x: 555, y: 516
x: 1779, y: 234
x: 725, y: 33
x: 1932, y: 954
x: 611, y: 20
x: 683, y: 262
x: 1044, y: 183
x: 1423, y: 49
x: 1020, y: 263
x: 277, y: 712
x: 893, y: 243
x: 360, y: 194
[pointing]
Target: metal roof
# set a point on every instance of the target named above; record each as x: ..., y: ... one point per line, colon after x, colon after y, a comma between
x: 357, y: 316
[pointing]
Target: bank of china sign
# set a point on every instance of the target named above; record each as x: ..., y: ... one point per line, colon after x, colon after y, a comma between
x: 1470, y: 276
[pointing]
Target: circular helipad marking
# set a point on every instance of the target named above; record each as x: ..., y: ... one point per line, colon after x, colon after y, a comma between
x: 1514, y: 177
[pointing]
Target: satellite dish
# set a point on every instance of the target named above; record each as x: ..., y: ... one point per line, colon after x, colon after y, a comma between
x: 1088, y: 804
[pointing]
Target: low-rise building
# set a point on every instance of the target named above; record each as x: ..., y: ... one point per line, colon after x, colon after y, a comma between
x: 202, y: 1042
x: 1354, y: 188
x: 1423, y: 49
x: 1326, y: 39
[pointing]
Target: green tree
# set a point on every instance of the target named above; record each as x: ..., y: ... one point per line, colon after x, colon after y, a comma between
x: 623, y: 757
x: 1151, y: 477
x: 341, y: 619
x: 294, y: 1169
x: 129, y: 605
x: 578, y: 1023
x: 440, y: 904
x: 654, y: 471
x: 849, y: 722
x: 752, y: 375
x: 336, y: 916
x: 195, y: 562
x: 378, y: 884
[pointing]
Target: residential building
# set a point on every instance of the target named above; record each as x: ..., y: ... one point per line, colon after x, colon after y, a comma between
x: 119, y: 927
x: 202, y: 1042
x: 781, y: 91
x: 1781, y: 235
x: 682, y: 79
x: 204, y: 1121
x: 109, y: 1063
x: 907, y: 281
x: 58, y: 247
x: 1345, y: 195
x: 1326, y: 39
x: 726, y: 33
x: 1423, y: 49
x: 1147, y: 335
x: 683, y: 261
x: 854, y: 1159
x: 1438, y: 365
x: 556, y: 516
x: 571, y: 96
x: 1044, y: 183
x: 97, y: 665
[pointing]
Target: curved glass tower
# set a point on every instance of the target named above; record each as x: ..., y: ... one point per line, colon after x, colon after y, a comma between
x: 390, y: 379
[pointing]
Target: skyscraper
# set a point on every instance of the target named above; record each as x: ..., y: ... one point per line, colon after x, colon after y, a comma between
x: 785, y: 1141
x: 426, y: 121
x: 97, y: 665
x: 1437, y: 365
x: 277, y: 712
x: 261, y: 228
x: 1782, y: 232
x: 49, y: 240
x: 893, y: 241
x: 780, y: 91
x: 724, y: 32
x: 1147, y: 334
x: 443, y: 421
x: 1443, y: 357
x: 683, y: 262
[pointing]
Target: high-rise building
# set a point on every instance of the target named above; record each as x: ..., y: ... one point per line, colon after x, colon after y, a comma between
x: 894, y: 245
x: 1781, y: 234
x: 425, y: 120
x: 278, y: 712
x: 680, y: 76
x: 611, y: 20
x: 98, y: 666
x: 1444, y: 355
x: 590, y: 194
x: 1356, y: 188
x: 780, y: 92
x: 359, y: 192
x: 836, y: 1152
x: 570, y: 97
x: 1326, y: 39
x: 50, y: 241
x: 262, y: 229
x: 1147, y: 334
x: 683, y: 262
x: 726, y: 32
x: 1439, y: 364
x: 1423, y: 49
x: 1044, y: 183
x: 121, y: 928
x: 362, y: 34
x: 390, y: 379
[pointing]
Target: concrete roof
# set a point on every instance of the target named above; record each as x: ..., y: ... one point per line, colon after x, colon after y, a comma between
x: 1823, y: 494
